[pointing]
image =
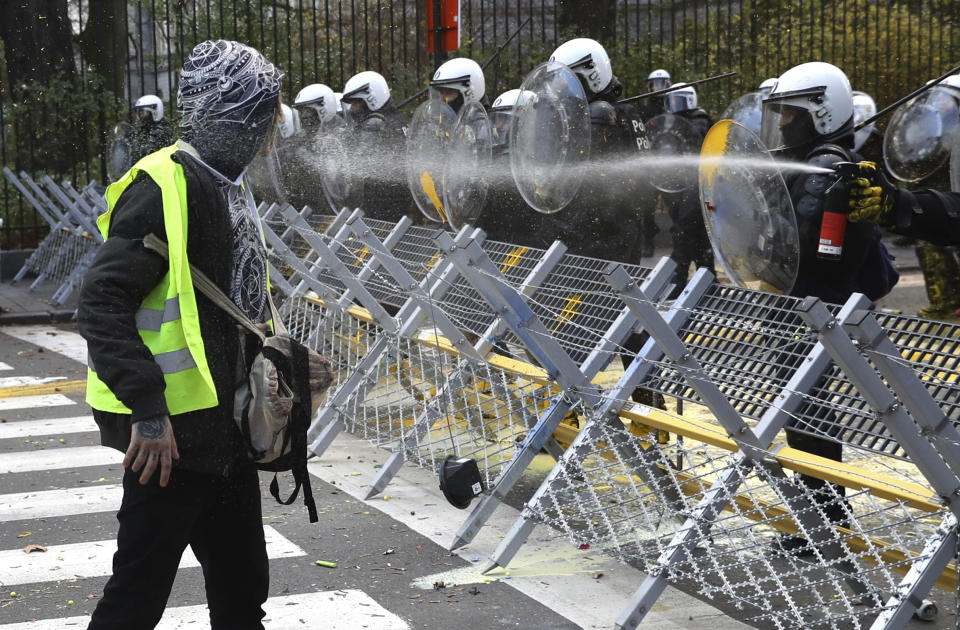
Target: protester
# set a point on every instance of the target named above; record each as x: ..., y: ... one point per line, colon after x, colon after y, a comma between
x: 163, y: 358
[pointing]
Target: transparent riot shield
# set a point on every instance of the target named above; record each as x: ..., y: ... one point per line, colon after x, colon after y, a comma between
x: 429, y: 134
x: 340, y: 166
x: 550, y: 138
x: 672, y: 138
x: 264, y: 179
x: 920, y: 135
x: 955, y: 164
x: 864, y: 107
x: 466, y: 173
x: 121, y: 151
x: 746, y: 110
x: 747, y: 210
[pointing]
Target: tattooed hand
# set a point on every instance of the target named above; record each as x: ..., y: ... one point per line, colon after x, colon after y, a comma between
x: 152, y: 443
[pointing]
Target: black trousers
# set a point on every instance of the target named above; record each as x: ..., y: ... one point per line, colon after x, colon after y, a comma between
x: 219, y: 517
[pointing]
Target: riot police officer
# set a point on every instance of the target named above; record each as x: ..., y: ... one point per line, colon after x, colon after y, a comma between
x: 380, y: 131
x: 687, y: 230
x: 506, y: 216
x: 151, y: 131
x: 601, y: 220
x: 808, y: 116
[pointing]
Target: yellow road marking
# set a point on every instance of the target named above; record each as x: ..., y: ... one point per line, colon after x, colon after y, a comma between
x: 55, y: 387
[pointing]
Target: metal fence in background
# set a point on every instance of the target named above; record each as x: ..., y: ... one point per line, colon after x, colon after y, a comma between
x: 886, y: 48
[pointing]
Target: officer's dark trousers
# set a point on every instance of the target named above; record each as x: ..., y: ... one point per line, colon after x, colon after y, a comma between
x: 220, y: 518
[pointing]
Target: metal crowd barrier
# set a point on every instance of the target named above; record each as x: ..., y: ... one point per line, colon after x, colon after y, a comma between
x: 64, y: 256
x: 448, y: 344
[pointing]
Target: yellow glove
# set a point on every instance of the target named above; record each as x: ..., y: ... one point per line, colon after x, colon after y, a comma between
x: 872, y: 196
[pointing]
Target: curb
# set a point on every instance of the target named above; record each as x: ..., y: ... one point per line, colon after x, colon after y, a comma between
x: 37, y: 317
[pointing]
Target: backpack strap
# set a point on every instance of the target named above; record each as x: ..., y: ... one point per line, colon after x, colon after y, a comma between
x: 299, y: 423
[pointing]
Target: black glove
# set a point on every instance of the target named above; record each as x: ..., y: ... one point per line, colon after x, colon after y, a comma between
x: 872, y: 196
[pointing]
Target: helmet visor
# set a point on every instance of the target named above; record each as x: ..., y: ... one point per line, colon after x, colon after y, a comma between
x: 660, y: 83
x: 676, y: 102
x: 500, y: 127
x: 145, y: 112
x: 355, y: 109
x: 784, y: 127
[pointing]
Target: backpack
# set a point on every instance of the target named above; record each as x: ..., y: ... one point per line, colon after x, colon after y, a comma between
x: 277, y: 391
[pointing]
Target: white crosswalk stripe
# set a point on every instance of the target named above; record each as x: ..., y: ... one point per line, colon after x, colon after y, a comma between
x: 53, y: 426
x: 30, y: 402
x: 61, y: 502
x: 66, y: 343
x: 22, y: 381
x: 58, y: 459
x: 92, y: 559
x: 331, y: 610
x: 4, y: 366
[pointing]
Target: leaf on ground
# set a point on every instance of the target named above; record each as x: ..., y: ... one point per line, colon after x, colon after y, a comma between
x: 32, y: 548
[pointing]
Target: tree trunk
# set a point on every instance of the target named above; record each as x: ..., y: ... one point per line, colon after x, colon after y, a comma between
x: 36, y: 41
x: 104, y: 42
x: 596, y: 19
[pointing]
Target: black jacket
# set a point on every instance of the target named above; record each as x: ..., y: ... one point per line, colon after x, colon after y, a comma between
x: 830, y: 280
x: 121, y: 276
x: 929, y: 215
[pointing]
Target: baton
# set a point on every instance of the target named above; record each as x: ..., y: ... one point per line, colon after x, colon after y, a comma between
x: 893, y: 105
x: 676, y: 87
x: 483, y: 66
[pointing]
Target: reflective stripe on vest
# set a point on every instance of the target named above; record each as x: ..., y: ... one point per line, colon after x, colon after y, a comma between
x: 152, y: 319
x: 167, y: 320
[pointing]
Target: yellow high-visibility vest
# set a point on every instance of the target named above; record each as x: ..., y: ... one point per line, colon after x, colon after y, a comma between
x: 167, y: 319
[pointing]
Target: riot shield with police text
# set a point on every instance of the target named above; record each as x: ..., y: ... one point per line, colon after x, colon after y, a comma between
x: 747, y: 210
x: 746, y: 110
x: 920, y: 135
x: 550, y: 138
x: 429, y: 134
x: 673, y: 138
x: 467, y: 166
x: 122, y: 151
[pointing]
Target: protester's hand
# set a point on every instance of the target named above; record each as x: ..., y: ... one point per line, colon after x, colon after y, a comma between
x: 152, y: 444
x: 872, y: 196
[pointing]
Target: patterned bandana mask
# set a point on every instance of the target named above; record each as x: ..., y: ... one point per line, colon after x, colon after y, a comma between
x: 226, y: 82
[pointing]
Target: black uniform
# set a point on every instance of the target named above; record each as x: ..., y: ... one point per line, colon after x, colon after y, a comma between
x: 832, y: 281
x: 300, y: 175
x: 150, y: 136
x: 381, y: 145
x: 929, y: 215
x: 687, y: 230
x: 648, y: 199
x: 597, y: 223
x: 506, y: 217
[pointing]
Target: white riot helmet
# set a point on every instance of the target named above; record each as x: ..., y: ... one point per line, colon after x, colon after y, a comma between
x: 365, y: 90
x: 458, y: 82
x: 316, y: 104
x: 810, y: 103
x: 863, y: 108
x: 682, y: 99
x: 589, y: 60
x: 766, y: 86
x: 149, y: 105
x: 290, y: 123
x: 658, y: 80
